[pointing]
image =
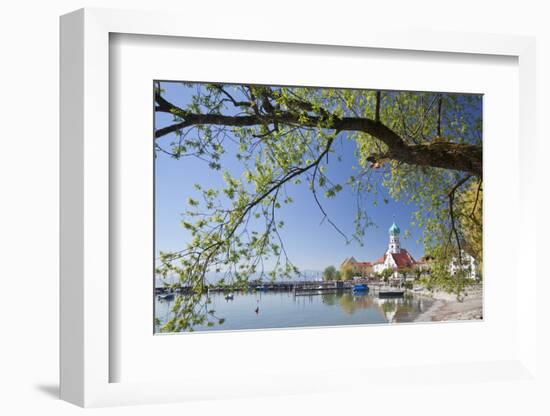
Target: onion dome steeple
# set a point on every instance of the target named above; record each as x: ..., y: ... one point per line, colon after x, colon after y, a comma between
x: 394, y: 229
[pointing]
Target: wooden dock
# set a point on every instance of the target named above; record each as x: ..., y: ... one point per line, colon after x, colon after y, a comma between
x: 303, y: 287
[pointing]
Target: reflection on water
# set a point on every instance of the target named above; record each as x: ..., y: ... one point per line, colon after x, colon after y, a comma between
x: 403, y: 309
x: 284, y: 310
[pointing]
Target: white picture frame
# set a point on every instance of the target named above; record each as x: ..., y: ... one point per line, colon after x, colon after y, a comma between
x: 86, y: 353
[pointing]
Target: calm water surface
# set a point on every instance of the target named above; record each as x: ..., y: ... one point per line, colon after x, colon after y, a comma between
x: 284, y: 310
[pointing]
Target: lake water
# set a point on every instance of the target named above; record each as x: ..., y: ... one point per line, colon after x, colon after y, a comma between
x: 285, y: 310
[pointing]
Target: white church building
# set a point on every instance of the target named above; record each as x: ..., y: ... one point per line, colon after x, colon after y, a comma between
x: 399, y: 260
x: 395, y: 257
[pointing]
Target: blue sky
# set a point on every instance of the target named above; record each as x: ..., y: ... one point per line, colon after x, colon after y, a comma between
x: 310, y: 244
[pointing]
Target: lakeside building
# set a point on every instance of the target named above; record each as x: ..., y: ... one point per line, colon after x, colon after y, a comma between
x: 400, y: 261
x: 424, y: 264
x: 361, y: 268
x: 469, y: 266
x: 395, y: 258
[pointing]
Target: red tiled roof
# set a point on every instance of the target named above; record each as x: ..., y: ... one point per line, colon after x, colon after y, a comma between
x: 402, y: 259
x: 425, y: 259
x: 364, y: 263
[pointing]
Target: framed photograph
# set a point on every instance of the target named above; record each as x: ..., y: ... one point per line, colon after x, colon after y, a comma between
x: 288, y: 213
x: 283, y: 183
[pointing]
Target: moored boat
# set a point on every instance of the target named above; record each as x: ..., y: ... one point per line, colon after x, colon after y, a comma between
x: 360, y: 288
x: 390, y: 293
x: 166, y: 296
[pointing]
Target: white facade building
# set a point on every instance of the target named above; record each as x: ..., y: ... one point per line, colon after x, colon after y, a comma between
x: 395, y: 257
x: 469, y: 265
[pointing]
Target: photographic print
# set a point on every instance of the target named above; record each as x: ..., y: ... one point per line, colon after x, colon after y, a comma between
x: 293, y: 206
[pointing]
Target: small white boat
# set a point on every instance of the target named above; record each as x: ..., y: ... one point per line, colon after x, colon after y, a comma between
x: 166, y: 296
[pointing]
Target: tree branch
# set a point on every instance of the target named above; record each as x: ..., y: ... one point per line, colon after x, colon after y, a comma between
x: 235, y: 102
x: 451, y: 213
x: 378, y: 100
x: 439, y: 103
x: 441, y: 154
x: 325, y: 215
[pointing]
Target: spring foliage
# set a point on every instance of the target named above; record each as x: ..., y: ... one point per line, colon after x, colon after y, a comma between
x: 422, y: 148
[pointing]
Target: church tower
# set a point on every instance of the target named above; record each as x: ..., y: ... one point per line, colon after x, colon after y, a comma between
x: 394, y: 246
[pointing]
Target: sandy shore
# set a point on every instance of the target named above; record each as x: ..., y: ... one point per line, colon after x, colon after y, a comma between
x: 447, y: 308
